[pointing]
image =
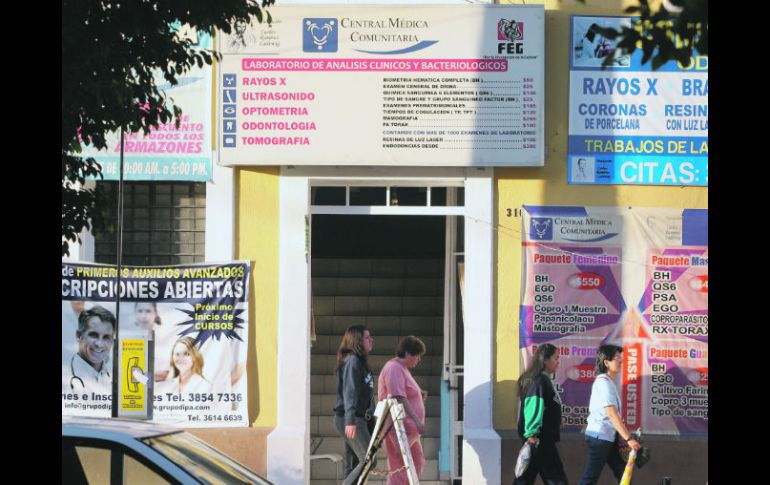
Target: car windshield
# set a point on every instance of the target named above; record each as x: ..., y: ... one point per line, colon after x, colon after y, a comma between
x: 202, y: 461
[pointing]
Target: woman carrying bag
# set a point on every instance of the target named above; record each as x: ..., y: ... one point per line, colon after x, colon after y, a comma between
x: 540, y: 418
x: 605, y: 425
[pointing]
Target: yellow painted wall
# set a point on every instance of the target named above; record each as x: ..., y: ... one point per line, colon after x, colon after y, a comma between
x: 548, y: 186
x: 258, y: 224
x: 256, y: 240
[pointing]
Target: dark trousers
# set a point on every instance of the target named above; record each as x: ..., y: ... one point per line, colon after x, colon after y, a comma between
x: 547, y: 463
x: 355, y: 449
x: 601, y: 452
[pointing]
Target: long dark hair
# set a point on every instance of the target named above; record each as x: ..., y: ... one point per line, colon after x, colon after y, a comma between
x: 352, y: 343
x: 536, y: 365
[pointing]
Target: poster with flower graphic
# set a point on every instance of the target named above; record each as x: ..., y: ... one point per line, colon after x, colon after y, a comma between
x: 198, y: 315
x: 634, y: 277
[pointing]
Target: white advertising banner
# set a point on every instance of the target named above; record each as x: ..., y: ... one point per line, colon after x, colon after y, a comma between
x: 371, y: 85
x: 198, y: 315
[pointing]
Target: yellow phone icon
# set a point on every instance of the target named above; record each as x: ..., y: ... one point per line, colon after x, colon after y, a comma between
x: 133, y: 384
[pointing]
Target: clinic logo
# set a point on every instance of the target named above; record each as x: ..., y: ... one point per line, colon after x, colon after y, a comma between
x: 510, y: 30
x: 541, y: 228
x: 320, y: 35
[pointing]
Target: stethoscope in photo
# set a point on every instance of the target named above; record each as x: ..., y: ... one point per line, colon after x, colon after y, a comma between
x: 75, y: 377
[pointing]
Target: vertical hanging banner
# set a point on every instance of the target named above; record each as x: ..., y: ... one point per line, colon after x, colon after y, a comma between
x: 374, y: 85
x: 168, y: 152
x: 199, y: 316
x: 633, y: 277
x: 629, y: 124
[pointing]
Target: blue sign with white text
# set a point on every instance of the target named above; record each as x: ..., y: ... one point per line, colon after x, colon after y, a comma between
x: 629, y: 124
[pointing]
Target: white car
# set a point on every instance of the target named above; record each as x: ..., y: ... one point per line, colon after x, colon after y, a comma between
x: 123, y: 451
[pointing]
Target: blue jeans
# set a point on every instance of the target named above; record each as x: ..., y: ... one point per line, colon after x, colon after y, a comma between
x: 355, y: 449
x: 601, y: 452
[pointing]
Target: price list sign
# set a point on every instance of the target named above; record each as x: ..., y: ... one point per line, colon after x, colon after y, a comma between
x: 365, y: 85
x: 632, y: 277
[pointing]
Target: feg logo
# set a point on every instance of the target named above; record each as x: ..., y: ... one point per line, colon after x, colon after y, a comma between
x: 513, y: 32
x: 541, y: 228
x: 319, y: 35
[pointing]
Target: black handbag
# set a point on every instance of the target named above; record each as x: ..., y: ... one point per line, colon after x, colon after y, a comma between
x: 642, y: 456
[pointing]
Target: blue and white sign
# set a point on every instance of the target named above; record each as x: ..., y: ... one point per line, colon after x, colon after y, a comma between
x: 229, y: 109
x: 629, y: 124
x: 320, y: 35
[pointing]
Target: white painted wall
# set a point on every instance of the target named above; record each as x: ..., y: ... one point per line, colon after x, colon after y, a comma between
x: 220, y: 214
x: 481, y: 443
x: 288, y: 447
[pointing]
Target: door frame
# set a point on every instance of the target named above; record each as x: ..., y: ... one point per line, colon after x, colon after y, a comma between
x: 289, y: 463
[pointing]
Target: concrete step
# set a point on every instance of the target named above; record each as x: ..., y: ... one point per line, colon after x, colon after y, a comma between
x: 323, y: 405
x: 379, y: 268
x: 383, y: 344
x: 430, y: 365
x: 366, y: 286
x: 323, y: 426
x: 378, y: 305
x: 380, y: 325
x: 327, y: 384
x: 333, y: 444
x: 377, y: 481
x: 328, y: 470
x: 327, y: 364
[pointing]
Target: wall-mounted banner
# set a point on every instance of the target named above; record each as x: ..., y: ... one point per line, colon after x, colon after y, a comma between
x: 629, y: 124
x: 168, y: 153
x: 199, y: 315
x: 432, y: 85
x: 633, y: 277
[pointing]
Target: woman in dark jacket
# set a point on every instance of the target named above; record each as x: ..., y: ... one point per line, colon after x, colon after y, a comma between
x: 355, y: 387
x: 540, y: 418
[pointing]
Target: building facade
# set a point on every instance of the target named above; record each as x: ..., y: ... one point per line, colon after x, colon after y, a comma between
x: 440, y: 256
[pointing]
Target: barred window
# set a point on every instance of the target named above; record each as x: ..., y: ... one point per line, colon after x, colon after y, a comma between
x: 163, y: 223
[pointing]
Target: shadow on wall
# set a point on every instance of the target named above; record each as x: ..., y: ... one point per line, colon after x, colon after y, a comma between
x: 252, y: 366
x: 685, y: 460
x: 477, y: 398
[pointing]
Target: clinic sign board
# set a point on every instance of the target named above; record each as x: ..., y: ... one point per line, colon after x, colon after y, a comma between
x: 629, y: 124
x: 431, y: 85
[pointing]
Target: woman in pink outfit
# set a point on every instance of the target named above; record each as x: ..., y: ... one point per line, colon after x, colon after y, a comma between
x: 397, y: 382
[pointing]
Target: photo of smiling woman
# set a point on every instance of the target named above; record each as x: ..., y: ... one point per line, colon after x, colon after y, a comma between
x: 186, y: 370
